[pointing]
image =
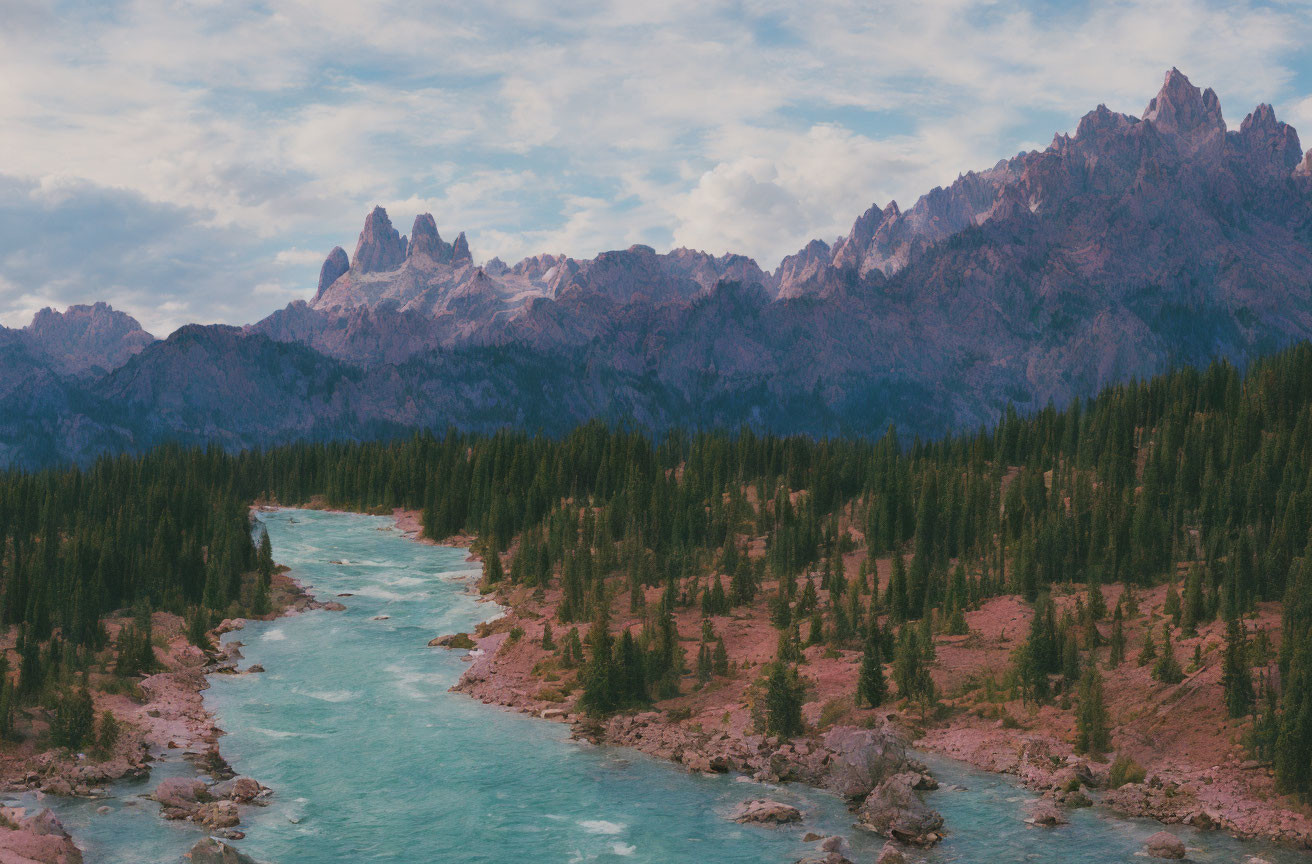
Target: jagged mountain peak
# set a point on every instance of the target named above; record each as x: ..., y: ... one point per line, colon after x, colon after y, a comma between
x: 334, y: 266
x: 1127, y: 246
x: 1182, y: 111
x: 460, y: 251
x: 85, y: 338
x: 426, y: 243
x: 1269, y: 144
x: 1181, y: 107
x: 380, y: 247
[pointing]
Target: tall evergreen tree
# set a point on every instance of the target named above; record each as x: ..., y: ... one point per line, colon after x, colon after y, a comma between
x: 871, y: 688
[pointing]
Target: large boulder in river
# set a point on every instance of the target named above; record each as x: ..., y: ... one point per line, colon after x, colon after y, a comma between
x: 862, y: 759
x: 459, y: 641
x: 764, y: 812
x: 239, y: 789
x: 217, y: 814
x: 211, y: 851
x: 894, y: 810
x: 890, y: 854
x: 1047, y: 814
x: 1164, y: 844
x: 180, y: 793
x: 826, y: 858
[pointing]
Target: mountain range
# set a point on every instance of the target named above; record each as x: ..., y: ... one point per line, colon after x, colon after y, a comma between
x: 1134, y: 244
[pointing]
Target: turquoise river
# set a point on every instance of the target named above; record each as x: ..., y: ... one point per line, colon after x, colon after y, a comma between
x: 372, y: 760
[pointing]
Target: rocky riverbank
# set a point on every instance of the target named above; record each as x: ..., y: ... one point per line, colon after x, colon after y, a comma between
x: 163, y: 712
x: 869, y: 767
x: 1218, y: 797
x: 1196, y: 775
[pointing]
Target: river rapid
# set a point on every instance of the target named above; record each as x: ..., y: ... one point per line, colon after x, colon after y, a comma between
x: 372, y: 760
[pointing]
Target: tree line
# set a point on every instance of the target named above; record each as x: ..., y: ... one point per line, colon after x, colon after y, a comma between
x: 1203, y: 469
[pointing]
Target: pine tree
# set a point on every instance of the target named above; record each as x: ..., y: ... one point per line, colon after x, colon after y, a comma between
x: 896, y: 598
x: 1192, y: 606
x: 816, y: 634
x: 720, y: 658
x: 1116, y: 644
x: 1172, y: 606
x: 1092, y: 735
x: 599, y: 675
x: 571, y: 654
x: 548, y: 643
x: 907, y: 663
x: 1293, y: 748
x: 783, y: 701
x: 1148, y: 652
x: 108, y: 734
x: 260, y: 602
x: 198, y: 629
x: 1095, y: 603
x: 492, y: 572
x: 631, y: 668
x: 704, y: 667
x: 871, y: 688
x: 264, y: 558
x: 1167, y: 670
x: 1236, y: 678
x: 74, y: 719
x: 1070, y: 658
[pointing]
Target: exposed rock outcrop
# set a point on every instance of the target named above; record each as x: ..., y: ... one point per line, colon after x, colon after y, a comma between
x: 1164, y: 844
x: 894, y: 810
x: 180, y: 793
x: 861, y: 759
x: 380, y: 247
x: 426, y: 243
x: 762, y: 811
x: 334, y: 267
x: 85, y: 340
x: 890, y: 854
x: 211, y: 851
x: 37, y: 839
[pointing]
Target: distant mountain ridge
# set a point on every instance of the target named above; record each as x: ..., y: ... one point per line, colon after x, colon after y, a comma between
x: 1132, y: 244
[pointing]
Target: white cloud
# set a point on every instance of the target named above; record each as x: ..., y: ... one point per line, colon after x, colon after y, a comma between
x: 298, y: 257
x: 551, y: 125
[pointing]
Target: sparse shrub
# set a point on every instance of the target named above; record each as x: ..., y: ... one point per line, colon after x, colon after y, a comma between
x: 1124, y: 770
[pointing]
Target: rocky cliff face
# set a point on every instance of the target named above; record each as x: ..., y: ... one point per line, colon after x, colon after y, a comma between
x: 380, y: 247
x: 1132, y: 244
x: 85, y: 339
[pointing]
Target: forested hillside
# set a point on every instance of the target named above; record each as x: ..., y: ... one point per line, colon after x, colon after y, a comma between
x: 1200, y: 476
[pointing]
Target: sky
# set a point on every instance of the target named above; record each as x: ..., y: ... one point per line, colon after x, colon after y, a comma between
x: 195, y: 160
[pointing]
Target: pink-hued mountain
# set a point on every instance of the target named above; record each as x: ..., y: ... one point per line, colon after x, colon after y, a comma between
x: 1130, y: 245
x: 86, y: 339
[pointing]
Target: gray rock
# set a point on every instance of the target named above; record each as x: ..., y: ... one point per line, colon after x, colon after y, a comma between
x: 211, y: 851
x: 762, y: 811
x: 894, y: 810
x: 1046, y: 813
x: 240, y: 789
x: 1164, y: 844
x: 890, y: 854
x: 180, y: 793
x: 44, y: 824
x: 862, y: 759
x: 833, y: 844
